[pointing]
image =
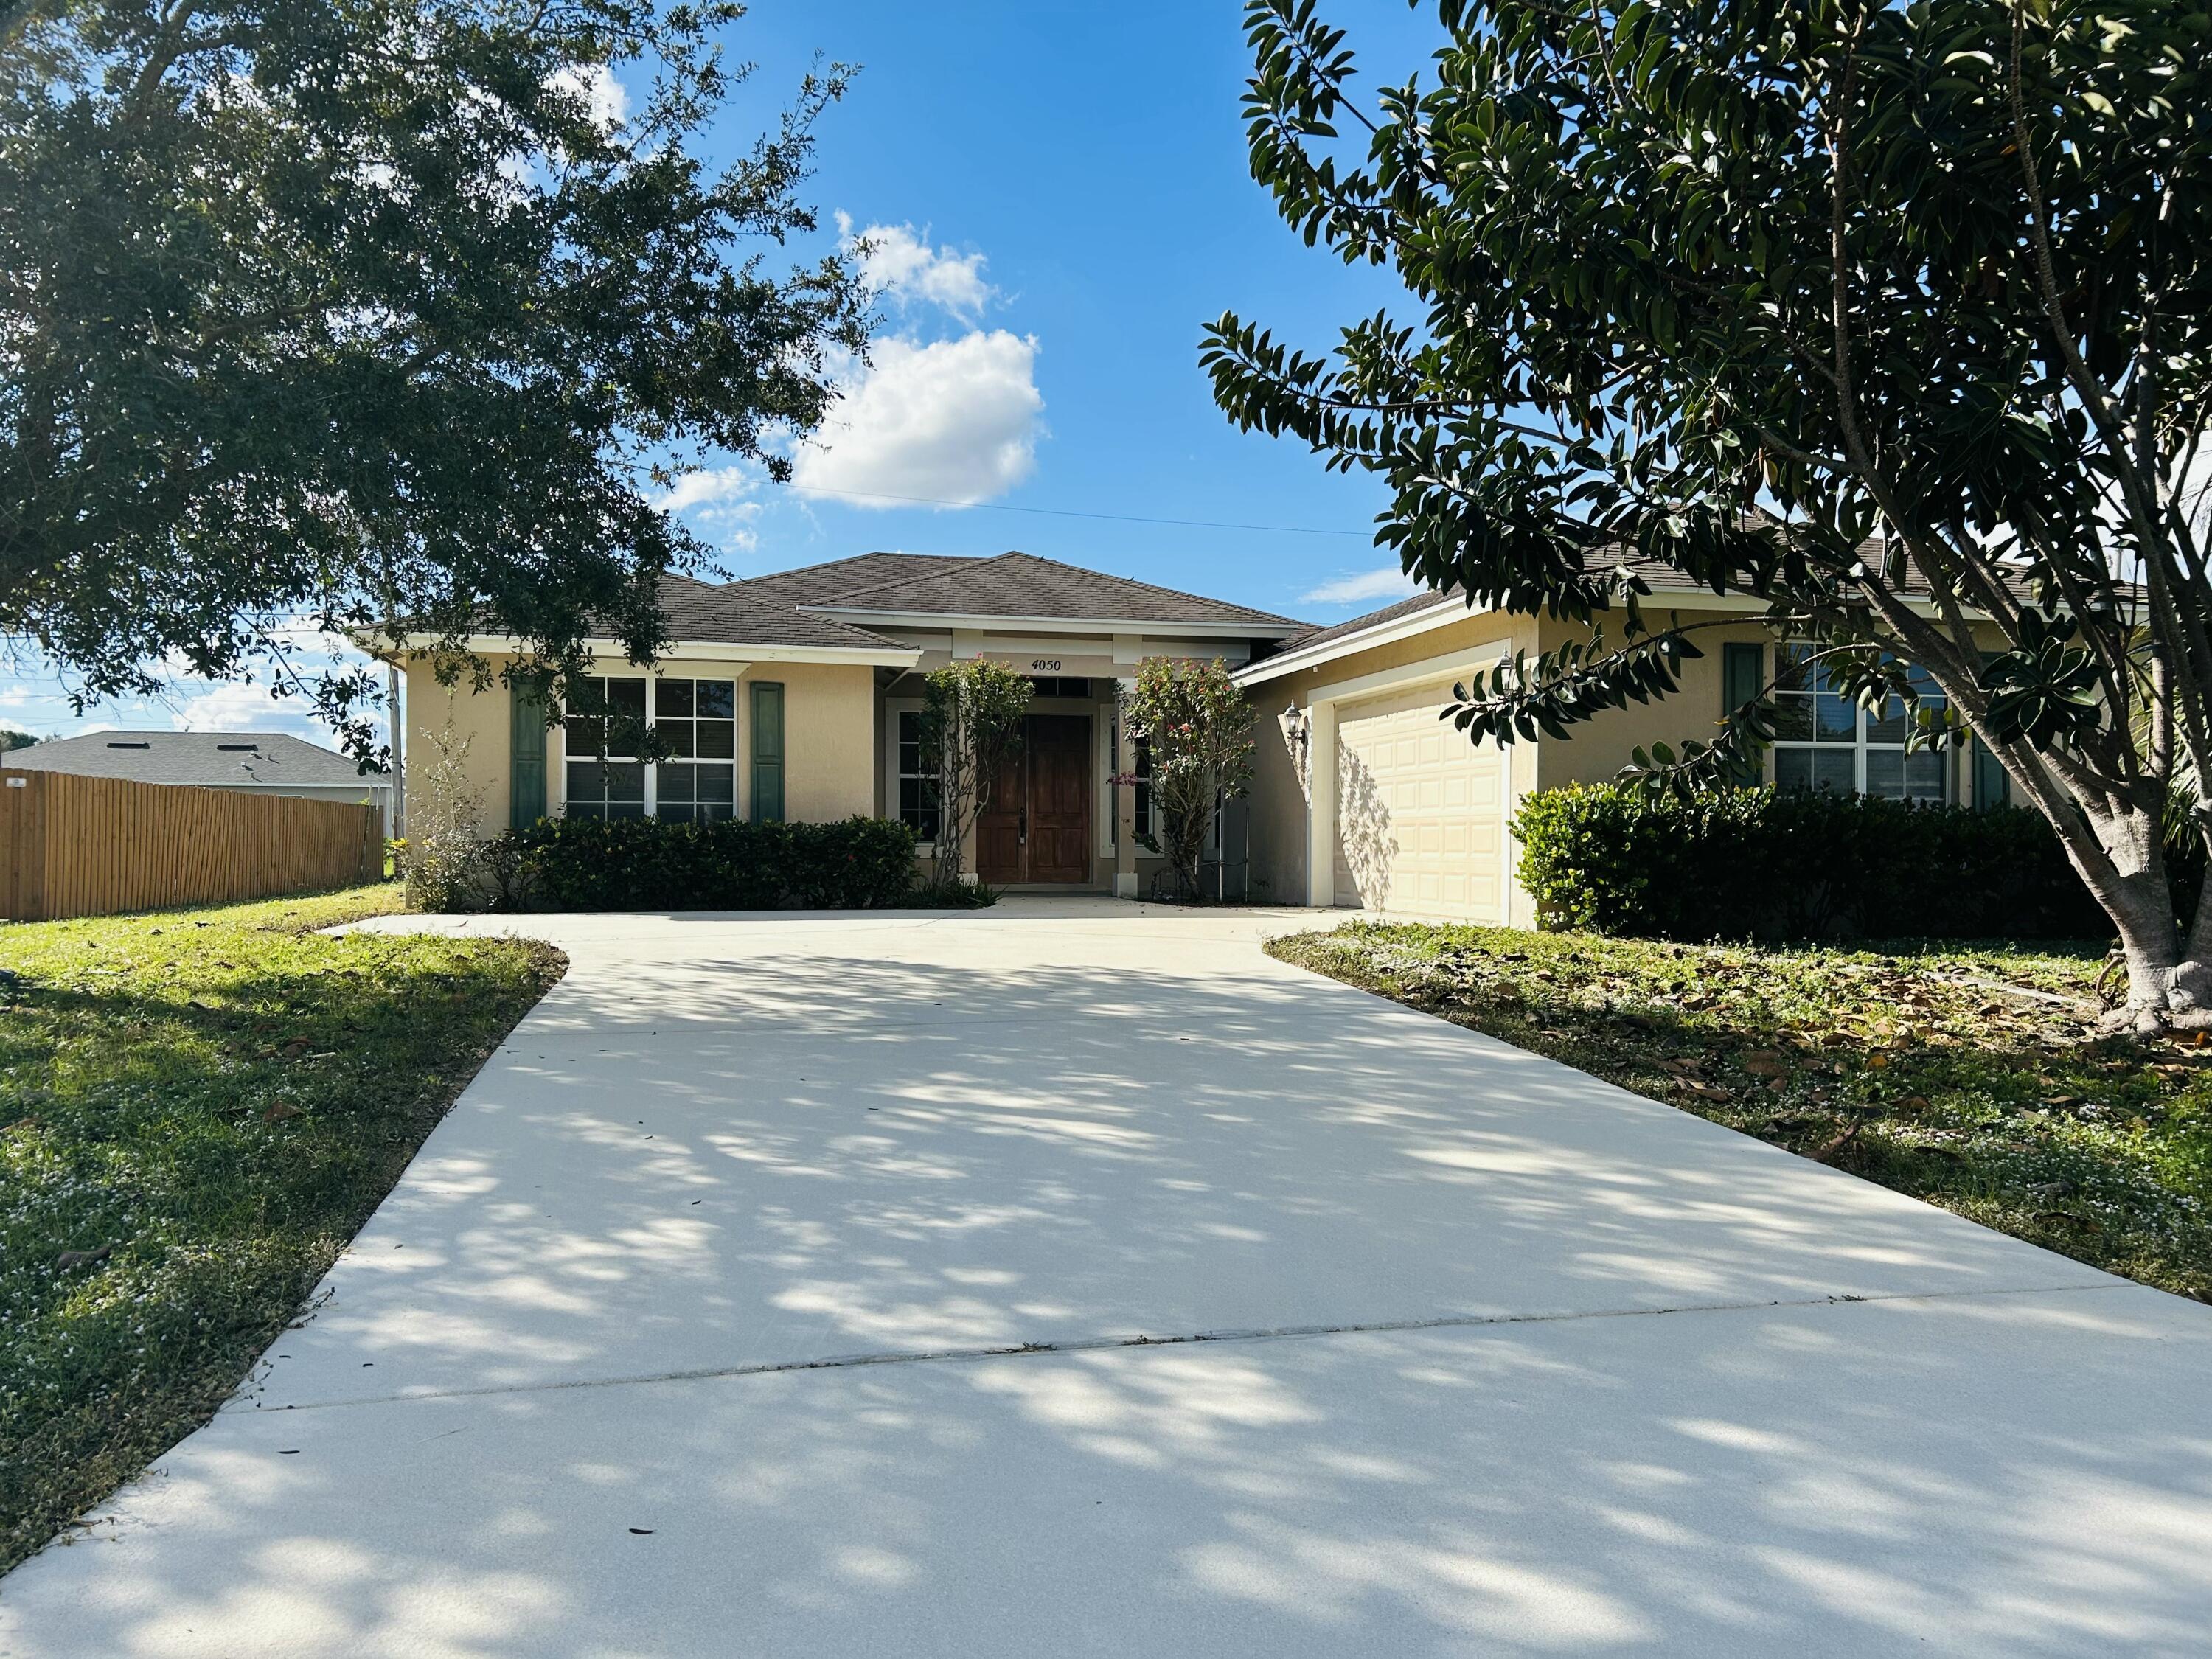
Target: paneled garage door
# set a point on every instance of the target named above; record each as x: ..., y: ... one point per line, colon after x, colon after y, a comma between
x: 1421, y: 811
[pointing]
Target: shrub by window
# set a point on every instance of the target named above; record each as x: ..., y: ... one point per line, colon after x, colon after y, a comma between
x: 1792, y: 864
x: 721, y: 864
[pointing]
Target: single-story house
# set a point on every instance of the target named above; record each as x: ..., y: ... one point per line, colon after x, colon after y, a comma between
x: 251, y: 762
x: 799, y: 695
x: 1364, y: 798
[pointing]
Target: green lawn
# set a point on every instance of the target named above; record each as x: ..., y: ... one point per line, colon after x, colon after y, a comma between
x: 197, y: 1109
x: 1928, y: 1069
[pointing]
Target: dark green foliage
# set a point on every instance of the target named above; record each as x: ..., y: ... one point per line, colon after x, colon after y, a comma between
x: 653, y: 864
x: 1759, y: 863
x: 10, y: 738
x: 1894, y: 320
x: 361, y: 309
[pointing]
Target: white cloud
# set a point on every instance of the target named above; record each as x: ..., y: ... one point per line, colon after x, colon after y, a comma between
x: 897, y: 261
x: 709, y: 485
x: 596, y: 84
x: 716, y: 497
x: 1387, y: 583
x: 237, y: 707
x: 956, y: 421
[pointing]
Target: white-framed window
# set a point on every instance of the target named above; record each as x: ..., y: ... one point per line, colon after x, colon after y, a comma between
x: 917, y: 787
x: 1825, y: 740
x: 695, y: 719
x: 604, y: 777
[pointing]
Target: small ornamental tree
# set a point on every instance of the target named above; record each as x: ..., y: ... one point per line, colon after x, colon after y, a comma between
x: 1196, y: 726
x: 971, y: 727
x: 1895, y: 319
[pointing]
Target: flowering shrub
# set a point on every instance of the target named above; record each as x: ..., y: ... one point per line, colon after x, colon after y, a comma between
x: 1197, y: 725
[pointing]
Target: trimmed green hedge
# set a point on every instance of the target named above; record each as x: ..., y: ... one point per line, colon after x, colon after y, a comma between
x: 1758, y: 863
x: 654, y: 863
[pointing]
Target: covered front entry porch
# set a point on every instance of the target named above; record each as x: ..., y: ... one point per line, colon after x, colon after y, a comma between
x: 1056, y: 822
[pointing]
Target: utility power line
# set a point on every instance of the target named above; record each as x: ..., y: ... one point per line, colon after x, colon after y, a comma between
x: 1067, y: 513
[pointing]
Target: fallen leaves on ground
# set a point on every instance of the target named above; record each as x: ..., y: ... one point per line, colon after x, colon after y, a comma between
x: 1969, y: 1075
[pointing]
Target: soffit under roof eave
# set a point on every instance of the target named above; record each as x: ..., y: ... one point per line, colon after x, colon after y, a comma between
x: 887, y: 655
x: 1446, y: 612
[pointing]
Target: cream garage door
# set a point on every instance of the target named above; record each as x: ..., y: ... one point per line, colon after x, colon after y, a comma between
x: 1421, y: 811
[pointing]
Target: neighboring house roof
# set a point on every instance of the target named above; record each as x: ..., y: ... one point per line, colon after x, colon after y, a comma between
x: 221, y: 760
x: 1021, y: 587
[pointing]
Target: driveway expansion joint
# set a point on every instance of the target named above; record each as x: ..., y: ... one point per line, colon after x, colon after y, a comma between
x: 1108, y: 1344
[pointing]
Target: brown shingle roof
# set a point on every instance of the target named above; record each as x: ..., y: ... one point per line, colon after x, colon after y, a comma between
x: 731, y: 614
x: 821, y: 583
x: 1018, y: 585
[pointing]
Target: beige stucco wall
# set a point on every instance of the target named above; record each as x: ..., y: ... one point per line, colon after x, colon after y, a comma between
x: 829, y: 739
x: 468, y: 725
x: 827, y: 720
x: 1594, y: 752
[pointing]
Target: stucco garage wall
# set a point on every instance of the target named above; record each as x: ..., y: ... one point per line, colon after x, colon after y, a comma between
x: 1422, y: 665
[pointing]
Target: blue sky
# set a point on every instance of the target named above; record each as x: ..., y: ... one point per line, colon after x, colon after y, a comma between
x: 1057, y: 200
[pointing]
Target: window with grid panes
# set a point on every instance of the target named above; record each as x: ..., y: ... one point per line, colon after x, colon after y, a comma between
x: 605, y: 777
x: 1825, y: 740
x: 697, y: 721
x: 917, y: 787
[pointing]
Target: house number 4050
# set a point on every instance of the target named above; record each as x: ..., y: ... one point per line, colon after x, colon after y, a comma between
x: 1044, y: 664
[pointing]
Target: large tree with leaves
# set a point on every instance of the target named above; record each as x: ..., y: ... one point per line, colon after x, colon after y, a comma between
x: 353, y: 310
x: 1894, y: 317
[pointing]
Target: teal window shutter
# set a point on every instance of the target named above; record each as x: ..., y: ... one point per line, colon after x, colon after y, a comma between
x: 526, y: 771
x: 768, y: 751
x: 1743, y: 671
x: 1992, y: 785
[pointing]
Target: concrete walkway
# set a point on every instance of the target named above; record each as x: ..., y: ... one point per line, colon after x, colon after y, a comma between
x: 686, y: 1333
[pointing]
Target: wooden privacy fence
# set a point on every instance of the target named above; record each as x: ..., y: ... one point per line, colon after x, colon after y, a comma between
x: 72, y: 846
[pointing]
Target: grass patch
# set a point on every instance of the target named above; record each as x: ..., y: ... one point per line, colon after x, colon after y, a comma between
x: 1931, y: 1069
x: 198, y: 1109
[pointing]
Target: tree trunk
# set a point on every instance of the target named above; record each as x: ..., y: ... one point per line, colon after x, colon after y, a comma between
x: 2169, y: 986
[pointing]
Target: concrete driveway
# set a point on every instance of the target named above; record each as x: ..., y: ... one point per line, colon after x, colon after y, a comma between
x: 1337, y: 1330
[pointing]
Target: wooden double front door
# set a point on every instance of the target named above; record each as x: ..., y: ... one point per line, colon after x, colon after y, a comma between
x: 1038, y: 826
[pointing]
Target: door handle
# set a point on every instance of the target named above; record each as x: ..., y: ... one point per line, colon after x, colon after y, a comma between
x: 1021, y: 824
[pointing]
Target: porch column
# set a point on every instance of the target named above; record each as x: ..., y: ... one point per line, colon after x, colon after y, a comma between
x: 1125, y: 798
